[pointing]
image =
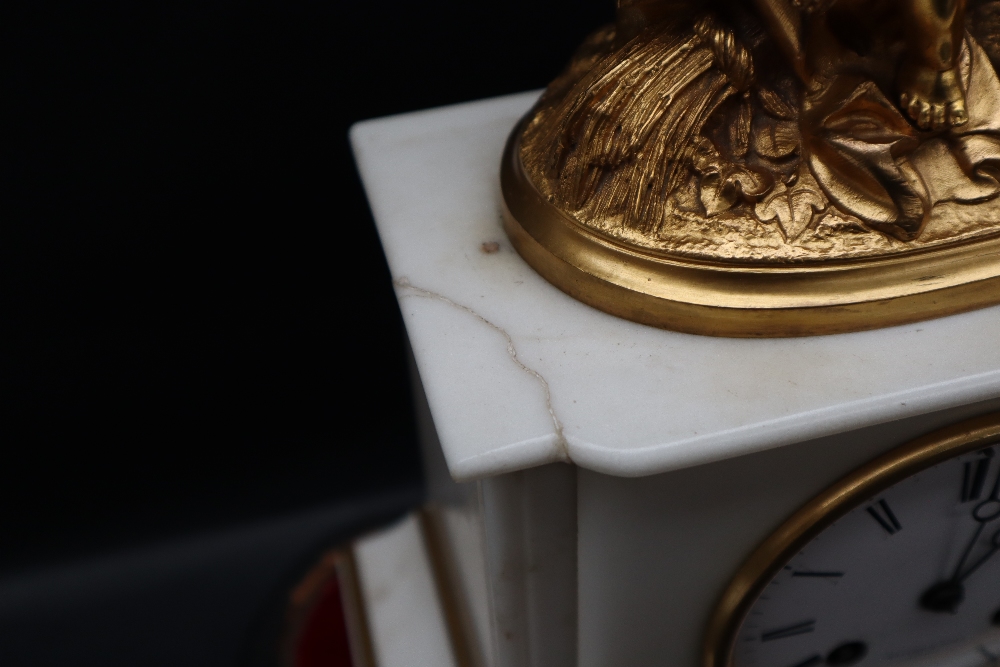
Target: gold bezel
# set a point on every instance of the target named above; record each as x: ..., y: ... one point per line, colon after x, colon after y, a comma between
x: 833, y: 503
x: 740, y: 300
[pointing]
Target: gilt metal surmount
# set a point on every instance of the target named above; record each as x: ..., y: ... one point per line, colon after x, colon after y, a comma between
x: 774, y: 168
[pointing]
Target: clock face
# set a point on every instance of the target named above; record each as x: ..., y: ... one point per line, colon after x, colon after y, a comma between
x: 909, y: 577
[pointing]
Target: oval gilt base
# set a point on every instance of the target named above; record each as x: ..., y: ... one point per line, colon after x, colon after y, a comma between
x: 736, y: 299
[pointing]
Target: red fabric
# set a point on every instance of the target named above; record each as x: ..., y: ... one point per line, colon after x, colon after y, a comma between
x: 324, y: 642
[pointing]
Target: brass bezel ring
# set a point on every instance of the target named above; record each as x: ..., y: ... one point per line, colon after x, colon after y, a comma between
x: 832, y: 504
x: 741, y: 300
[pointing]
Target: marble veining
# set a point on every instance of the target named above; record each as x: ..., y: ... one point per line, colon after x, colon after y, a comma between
x: 405, y: 285
x: 631, y: 400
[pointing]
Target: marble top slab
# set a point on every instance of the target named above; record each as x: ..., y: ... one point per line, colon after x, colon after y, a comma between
x: 518, y: 374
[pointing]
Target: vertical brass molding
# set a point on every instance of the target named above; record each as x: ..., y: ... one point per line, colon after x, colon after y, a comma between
x: 335, y: 564
x: 456, y: 616
x: 355, y: 613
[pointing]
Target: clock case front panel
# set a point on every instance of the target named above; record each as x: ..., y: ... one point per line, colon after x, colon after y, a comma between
x: 656, y: 553
x: 559, y: 566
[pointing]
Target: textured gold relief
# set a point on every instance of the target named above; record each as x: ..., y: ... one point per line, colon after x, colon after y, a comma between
x: 773, y: 133
x: 649, y: 140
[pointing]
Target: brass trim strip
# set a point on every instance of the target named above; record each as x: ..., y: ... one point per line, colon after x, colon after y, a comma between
x: 355, y: 612
x: 833, y: 503
x: 741, y: 300
x: 334, y: 564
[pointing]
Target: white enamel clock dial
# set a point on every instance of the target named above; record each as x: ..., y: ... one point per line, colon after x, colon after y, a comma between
x: 910, y: 577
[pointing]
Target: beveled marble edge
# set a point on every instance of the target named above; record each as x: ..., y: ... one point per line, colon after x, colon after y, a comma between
x: 769, y: 434
x: 756, y: 437
x: 517, y: 456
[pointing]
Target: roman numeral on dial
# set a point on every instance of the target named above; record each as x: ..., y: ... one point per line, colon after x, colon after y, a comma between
x: 789, y: 631
x: 885, y: 518
x: 974, y: 477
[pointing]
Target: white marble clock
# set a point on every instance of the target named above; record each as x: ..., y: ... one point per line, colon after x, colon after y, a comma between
x: 629, y: 496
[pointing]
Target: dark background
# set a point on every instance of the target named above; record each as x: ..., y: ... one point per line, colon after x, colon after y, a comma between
x: 197, y: 327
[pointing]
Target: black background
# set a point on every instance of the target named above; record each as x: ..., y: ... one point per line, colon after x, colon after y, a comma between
x: 197, y: 325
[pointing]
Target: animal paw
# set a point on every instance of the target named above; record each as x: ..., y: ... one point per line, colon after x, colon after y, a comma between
x: 933, y: 99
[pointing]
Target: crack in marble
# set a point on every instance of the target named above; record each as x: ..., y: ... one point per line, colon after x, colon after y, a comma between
x: 404, y: 283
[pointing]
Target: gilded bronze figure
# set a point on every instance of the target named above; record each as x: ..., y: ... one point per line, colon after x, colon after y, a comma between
x: 769, y: 167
